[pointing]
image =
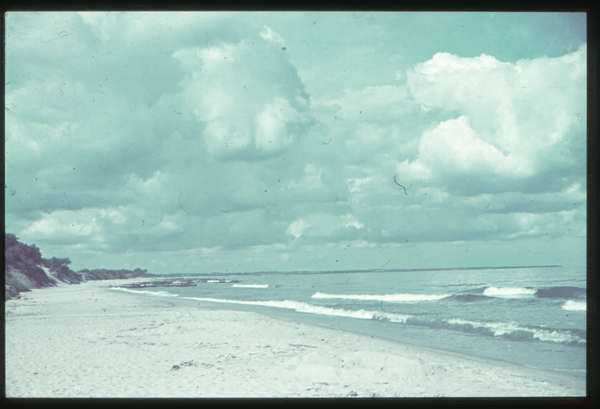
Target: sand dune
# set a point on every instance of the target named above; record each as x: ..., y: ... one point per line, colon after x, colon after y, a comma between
x: 90, y: 341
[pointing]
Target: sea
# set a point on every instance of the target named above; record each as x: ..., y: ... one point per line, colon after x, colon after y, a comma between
x: 534, y: 316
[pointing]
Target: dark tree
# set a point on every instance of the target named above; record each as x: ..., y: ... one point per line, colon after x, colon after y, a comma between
x: 19, y: 257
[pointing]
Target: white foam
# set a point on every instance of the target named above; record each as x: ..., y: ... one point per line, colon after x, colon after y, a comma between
x: 314, y: 309
x: 555, y: 336
x: 157, y: 293
x: 508, y: 292
x: 501, y: 328
x: 575, y: 306
x: 384, y: 297
x: 252, y: 285
x: 498, y: 328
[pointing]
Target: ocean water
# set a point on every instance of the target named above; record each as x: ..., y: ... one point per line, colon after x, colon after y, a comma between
x: 531, y: 316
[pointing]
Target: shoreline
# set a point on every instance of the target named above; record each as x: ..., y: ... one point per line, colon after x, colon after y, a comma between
x: 87, y: 340
x: 533, y: 355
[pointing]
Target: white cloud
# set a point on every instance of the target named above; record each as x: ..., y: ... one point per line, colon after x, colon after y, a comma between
x: 510, y: 120
x: 68, y: 226
x: 271, y: 36
x: 246, y: 98
x: 297, y: 227
x: 188, y: 135
x: 349, y: 220
x: 453, y: 148
x: 271, y: 125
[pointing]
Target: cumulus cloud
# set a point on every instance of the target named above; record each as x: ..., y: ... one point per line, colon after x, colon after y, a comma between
x: 272, y: 140
x: 271, y: 36
x: 510, y: 123
x: 246, y: 98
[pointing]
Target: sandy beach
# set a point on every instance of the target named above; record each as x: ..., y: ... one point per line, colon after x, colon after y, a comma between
x: 90, y: 341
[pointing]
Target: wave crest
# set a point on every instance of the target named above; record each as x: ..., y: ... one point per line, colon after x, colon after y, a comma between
x: 510, y: 331
x: 384, y: 297
x: 156, y: 293
x: 508, y: 292
x: 574, y: 306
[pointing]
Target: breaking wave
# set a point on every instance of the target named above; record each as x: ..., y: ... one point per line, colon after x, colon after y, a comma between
x: 510, y: 331
x: 156, y: 293
x: 507, y: 330
x: 510, y: 292
x: 574, y: 306
x: 387, y: 297
x: 529, y: 292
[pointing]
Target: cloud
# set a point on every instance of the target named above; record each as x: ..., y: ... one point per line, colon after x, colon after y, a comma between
x: 272, y: 36
x: 197, y: 136
x: 453, y: 154
x: 246, y: 98
x: 102, y: 138
x: 510, y: 123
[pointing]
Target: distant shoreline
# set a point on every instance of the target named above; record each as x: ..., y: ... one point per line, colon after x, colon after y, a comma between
x: 376, y: 270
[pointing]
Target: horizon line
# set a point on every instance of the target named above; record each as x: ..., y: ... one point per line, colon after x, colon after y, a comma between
x: 373, y: 270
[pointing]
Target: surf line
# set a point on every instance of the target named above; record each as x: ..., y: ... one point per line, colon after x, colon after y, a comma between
x: 402, y: 186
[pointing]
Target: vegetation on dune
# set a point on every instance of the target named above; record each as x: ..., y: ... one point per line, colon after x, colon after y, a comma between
x: 25, y: 268
x: 22, y: 265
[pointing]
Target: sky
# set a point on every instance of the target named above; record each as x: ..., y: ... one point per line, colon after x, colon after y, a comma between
x: 240, y: 142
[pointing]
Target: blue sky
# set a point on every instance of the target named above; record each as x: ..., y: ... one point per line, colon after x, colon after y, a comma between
x: 201, y: 142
